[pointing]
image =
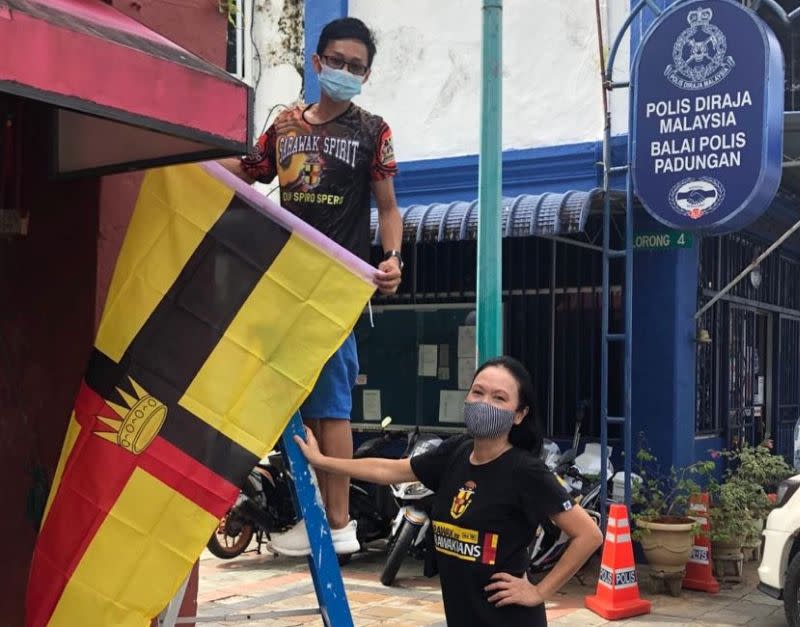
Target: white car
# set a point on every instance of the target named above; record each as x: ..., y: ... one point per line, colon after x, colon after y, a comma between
x: 779, y: 572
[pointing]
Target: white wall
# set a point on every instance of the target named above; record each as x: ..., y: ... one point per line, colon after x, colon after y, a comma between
x: 276, y: 52
x: 426, y: 75
x: 277, y: 43
x: 616, y: 11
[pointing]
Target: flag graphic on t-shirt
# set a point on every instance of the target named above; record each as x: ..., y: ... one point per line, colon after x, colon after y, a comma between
x: 462, y: 500
x: 465, y: 544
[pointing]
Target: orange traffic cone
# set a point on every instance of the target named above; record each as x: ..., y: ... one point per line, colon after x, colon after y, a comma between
x: 699, y: 575
x: 617, y: 589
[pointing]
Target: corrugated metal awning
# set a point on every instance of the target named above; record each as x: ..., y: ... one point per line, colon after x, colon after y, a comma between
x: 524, y: 216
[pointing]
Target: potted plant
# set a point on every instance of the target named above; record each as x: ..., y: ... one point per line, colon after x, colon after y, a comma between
x: 664, y: 527
x: 742, y: 502
x: 759, y: 465
x: 733, y: 524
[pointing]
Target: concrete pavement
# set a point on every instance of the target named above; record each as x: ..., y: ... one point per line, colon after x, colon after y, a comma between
x: 255, y: 584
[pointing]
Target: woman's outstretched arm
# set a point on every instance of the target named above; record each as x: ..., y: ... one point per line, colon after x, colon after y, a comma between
x: 372, y: 469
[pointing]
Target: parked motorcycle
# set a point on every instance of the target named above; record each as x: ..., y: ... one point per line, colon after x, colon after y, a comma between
x: 265, y: 505
x: 550, y: 541
x: 413, y: 519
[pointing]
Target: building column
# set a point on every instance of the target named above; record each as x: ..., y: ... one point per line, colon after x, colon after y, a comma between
x: 664, y: 304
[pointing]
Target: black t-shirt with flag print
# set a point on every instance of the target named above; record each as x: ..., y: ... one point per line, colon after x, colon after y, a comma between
x: 484, y: 518
x: 326, y: 171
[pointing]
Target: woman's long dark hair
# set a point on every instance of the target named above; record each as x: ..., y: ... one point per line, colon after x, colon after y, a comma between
x: 525, y: 435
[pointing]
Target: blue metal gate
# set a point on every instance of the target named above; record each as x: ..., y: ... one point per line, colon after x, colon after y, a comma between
x: 787, y: 403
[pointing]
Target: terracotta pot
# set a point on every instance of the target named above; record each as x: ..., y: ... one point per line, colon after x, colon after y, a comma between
x: 668, y: 543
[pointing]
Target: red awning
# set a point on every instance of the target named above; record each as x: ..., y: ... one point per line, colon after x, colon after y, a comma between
x: 125, y: 96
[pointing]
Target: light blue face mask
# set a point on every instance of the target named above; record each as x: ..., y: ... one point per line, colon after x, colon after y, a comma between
x: 340, y: 85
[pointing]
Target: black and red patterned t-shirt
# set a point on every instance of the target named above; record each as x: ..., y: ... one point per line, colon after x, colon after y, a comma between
x: 325, y: 171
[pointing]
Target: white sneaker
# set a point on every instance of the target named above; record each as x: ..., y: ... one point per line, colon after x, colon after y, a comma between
x: 294, y: 542
x: 345, y: 541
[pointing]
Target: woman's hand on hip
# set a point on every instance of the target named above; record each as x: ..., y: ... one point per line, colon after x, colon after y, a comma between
x: 510, y: 590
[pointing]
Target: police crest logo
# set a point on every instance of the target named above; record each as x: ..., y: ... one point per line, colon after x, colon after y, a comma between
x: 699, y: 54
x: 462, y: 500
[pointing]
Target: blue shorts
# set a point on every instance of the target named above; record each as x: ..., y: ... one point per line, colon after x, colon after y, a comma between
x: 332, y: 395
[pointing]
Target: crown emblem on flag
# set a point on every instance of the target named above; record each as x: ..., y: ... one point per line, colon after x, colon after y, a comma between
x: 699, y: 17
x: 135, y: 426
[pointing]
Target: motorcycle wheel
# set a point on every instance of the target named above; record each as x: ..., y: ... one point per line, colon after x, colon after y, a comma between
x: 226, y: 546
x: 398, y: 551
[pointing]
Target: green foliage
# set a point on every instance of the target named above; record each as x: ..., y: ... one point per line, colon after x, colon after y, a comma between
x: 662, y: 496
x: 758, y: 464
x: 229, y: 8
x: 741, y: 499
x: 732, y: 516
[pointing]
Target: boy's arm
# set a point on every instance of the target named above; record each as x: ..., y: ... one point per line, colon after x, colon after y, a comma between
x: 234, y: 165
x: 390, y: 224
x: 259, y: 165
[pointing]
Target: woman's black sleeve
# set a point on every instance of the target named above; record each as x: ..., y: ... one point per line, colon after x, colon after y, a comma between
x: 430, y: 466
x: 541, y: 495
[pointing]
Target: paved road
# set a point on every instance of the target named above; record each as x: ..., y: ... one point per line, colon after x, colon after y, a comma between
x: 256, y: 583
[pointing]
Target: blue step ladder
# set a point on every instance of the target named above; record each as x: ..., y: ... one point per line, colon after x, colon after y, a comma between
x: 639, y: 9
x: 322, y: 563
x: 625, y: 337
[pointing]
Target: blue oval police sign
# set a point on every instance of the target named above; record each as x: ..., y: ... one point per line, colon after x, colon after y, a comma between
x: 707, y: 117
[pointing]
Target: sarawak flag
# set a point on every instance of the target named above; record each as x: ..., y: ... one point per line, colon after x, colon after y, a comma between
x: 221, y: 313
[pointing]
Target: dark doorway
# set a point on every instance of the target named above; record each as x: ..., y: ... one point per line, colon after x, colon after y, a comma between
x: 748, y: 375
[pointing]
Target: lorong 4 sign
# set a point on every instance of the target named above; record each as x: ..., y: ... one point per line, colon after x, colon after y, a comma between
x: 707, y: 117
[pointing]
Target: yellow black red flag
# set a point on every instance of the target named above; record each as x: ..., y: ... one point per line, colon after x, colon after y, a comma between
x: 221, y: 313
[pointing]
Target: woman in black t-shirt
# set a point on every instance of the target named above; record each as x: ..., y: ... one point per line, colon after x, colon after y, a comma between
x: 491, y: 494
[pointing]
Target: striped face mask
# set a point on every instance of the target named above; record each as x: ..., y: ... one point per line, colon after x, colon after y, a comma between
x: 487, y: 421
